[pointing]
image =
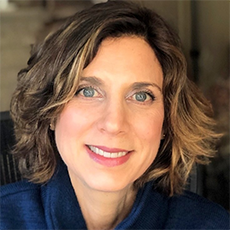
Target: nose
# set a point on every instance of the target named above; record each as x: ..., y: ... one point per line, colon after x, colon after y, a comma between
x: 114, y: 119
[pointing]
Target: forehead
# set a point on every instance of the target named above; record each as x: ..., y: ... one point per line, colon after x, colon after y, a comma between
x: 125, y: 46
x: 125, y: 56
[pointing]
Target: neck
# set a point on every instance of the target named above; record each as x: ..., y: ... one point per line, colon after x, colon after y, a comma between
x: 103, y: 210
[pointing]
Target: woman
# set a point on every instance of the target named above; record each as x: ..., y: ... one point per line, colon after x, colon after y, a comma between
x: 108, y: 129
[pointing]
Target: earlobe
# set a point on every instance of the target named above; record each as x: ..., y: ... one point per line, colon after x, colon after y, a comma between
x: 52, y: 127
x: 52, y: 124
x: 162, y: 136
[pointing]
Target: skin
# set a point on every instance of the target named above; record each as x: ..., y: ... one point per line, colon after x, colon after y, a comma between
x: 112, y: 116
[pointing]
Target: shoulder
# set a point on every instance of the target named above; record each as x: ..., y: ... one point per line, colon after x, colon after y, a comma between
x: 21, y: 205
x: 191, y: 211
x: 20, y: 192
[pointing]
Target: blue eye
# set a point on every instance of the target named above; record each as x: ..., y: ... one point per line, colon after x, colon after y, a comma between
x: 88, y: 92
x: 141, y: 96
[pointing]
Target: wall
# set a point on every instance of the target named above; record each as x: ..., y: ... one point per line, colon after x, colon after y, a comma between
x: 213, y: 39
x: 21, y: 24
x: 213, y: 42
x: 18, y: 29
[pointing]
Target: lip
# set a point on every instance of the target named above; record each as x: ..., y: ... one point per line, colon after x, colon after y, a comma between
x: 108, y: 162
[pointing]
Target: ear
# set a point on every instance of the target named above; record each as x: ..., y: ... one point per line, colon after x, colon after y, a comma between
x: 52, y: 126
x: 162, y: 135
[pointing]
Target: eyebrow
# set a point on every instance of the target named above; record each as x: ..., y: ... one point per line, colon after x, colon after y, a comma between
x: 136, y: 85
x: 92, y: 80
x: 139, y: 85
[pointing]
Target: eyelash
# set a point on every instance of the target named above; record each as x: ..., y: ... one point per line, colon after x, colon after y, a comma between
x: 84, y: 87
x: 149, y: 93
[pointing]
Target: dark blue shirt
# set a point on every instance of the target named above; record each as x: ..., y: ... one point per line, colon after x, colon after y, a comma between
x: 54, y: 206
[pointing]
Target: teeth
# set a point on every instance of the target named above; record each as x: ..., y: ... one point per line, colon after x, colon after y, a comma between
x: 107, y: 154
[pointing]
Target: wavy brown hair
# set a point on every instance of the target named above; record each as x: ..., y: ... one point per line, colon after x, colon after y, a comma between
x: 51, y: 79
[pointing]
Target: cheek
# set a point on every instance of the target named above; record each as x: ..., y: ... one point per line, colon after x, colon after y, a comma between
x: 71, y: 122
x: 149, y: 128
x: 66, y: 125
x: 67, y: 130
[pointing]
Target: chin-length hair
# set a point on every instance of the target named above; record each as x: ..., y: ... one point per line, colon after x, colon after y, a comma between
x: 51, y: 80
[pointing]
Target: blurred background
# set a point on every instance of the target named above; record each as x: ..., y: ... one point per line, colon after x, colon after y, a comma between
x: 203, y: 27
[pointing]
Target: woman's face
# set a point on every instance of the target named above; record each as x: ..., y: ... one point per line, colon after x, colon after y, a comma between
x: 110, y: 132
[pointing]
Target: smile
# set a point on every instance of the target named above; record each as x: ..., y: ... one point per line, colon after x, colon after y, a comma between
x: 107, y: 154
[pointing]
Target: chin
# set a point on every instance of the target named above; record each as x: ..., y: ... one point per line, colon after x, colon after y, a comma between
x: 109, y: 186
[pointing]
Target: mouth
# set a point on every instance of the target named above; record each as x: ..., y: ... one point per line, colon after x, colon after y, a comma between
x: 109, y: 157
x: 108, y: 153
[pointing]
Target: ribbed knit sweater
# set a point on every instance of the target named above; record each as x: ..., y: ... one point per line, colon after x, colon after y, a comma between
x: 55, y: 206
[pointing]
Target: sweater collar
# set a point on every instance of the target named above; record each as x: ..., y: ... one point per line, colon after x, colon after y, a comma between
x: 60, y: 202
x: 62, y: 209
